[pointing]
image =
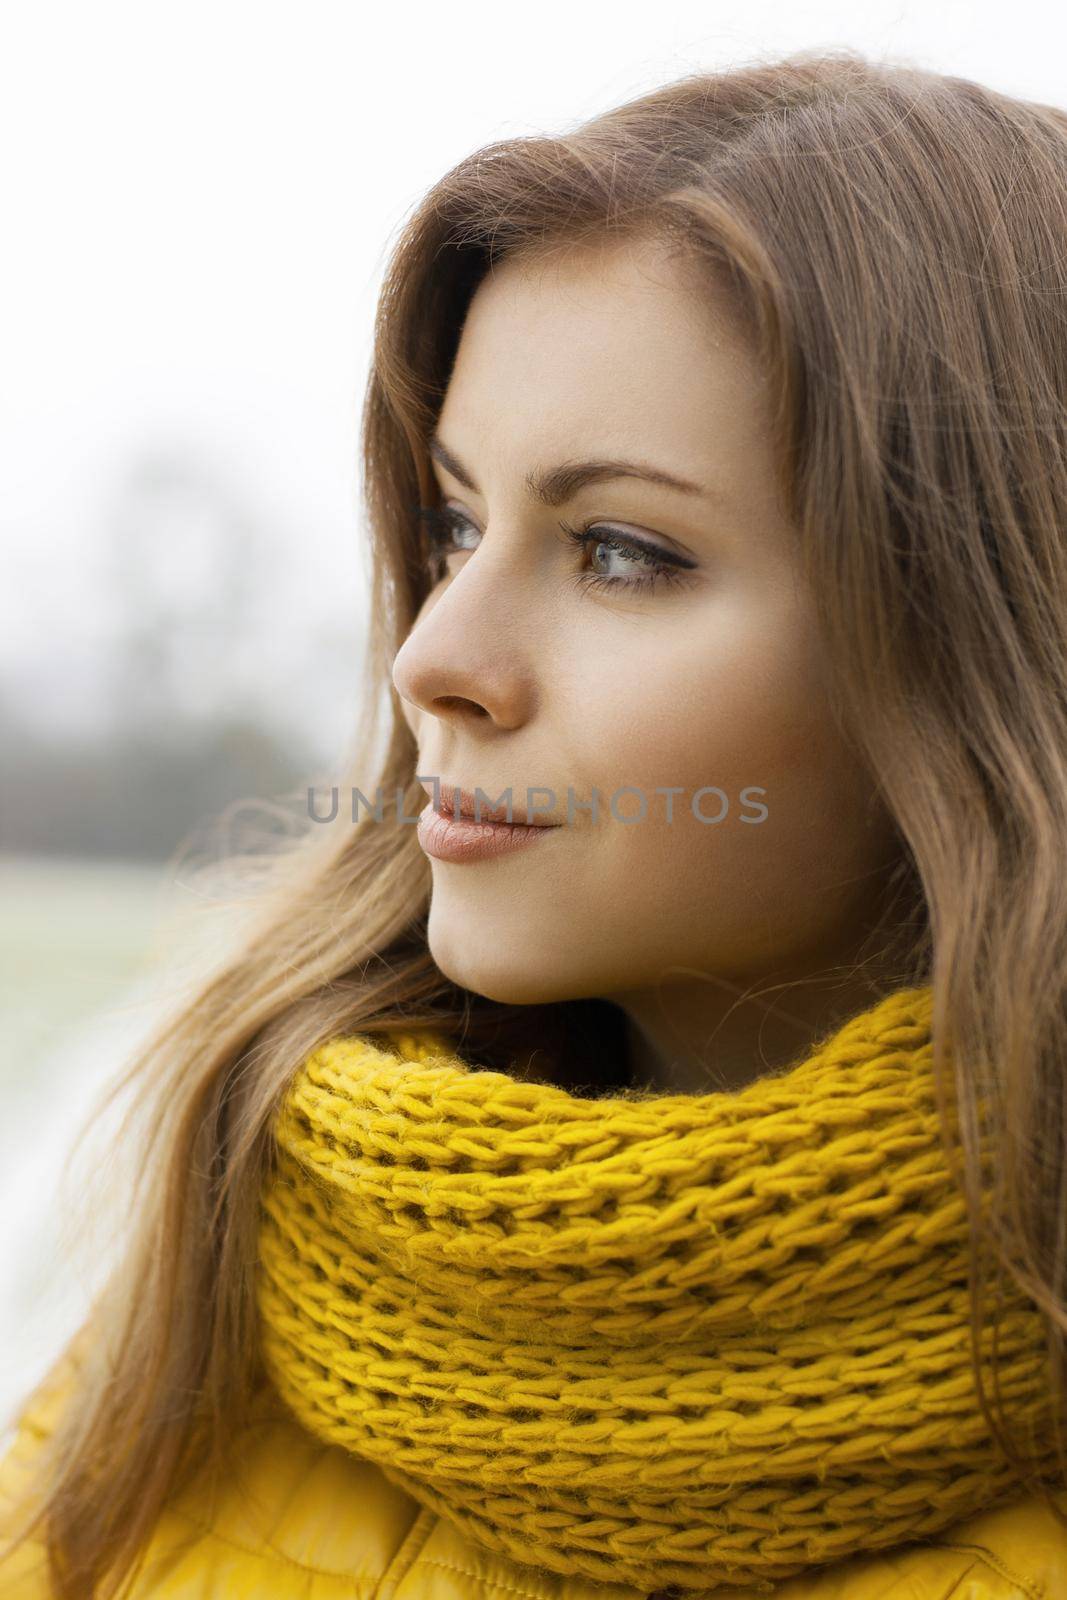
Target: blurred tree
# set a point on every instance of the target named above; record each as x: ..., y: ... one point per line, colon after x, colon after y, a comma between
x: 199, y: 651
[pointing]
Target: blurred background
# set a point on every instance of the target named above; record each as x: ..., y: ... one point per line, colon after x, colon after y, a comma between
x: 198, y: 202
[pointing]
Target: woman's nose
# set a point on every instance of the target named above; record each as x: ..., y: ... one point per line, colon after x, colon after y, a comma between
x: 458, y: 665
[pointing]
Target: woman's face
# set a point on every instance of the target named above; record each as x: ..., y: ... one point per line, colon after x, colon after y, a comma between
x: 535, y: 663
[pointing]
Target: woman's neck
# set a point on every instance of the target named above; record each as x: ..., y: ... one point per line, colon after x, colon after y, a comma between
x: 703, y: 1036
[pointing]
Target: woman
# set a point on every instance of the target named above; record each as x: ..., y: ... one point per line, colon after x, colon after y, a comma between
x: 656, y: 1186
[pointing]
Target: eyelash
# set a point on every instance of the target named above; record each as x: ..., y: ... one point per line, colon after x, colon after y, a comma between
x: 441, y: 522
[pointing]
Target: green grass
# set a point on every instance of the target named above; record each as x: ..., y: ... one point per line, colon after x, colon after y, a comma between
x: 74, y: 935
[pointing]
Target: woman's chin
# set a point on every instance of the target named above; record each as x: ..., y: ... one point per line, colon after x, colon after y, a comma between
x: 508, y: 977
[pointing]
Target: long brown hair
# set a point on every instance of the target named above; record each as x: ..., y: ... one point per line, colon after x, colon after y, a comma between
x: 894, y: 241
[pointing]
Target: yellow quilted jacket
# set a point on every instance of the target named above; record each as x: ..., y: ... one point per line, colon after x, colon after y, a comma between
x: 303, y: 1520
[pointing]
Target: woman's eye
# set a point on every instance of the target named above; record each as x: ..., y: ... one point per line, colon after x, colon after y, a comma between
x: 639, y: 565
x: 445, y: 527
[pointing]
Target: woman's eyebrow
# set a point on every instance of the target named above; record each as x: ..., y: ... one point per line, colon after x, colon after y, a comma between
x: 554, y: 486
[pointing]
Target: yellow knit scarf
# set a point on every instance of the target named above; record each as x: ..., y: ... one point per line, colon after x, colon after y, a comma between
x: 679, y: 1340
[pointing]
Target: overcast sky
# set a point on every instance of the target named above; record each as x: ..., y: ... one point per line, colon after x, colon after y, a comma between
x: 198, y: 198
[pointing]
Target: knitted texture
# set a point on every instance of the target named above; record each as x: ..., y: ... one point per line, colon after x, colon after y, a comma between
x: 682, y: 1340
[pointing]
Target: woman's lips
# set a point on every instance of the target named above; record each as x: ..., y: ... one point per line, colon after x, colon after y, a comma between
x: 449, y: 839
